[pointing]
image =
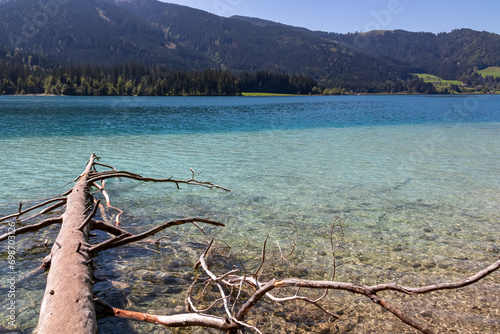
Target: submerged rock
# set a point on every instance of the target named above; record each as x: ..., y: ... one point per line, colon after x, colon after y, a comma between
x: 492, y: 248
x: 158, y: 277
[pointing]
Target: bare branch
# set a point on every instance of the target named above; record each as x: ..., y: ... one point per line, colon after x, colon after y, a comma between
x: 216, y: 280
x: 22, y: 212
x: 263, y: 256
x: 114, y: 174
x: 178, y: 320
x: 32, y: 228
x: 295, y: 240
x: 262, y: 259
x: 133, y: 238
x: 368, y: 291
x: 279, y: 248
x: 189, y: 304
x: 254, y: 299
x: 90, y: 216
x: 103, y: 191
x: 440, y: 286
x: 108, y: 201
x: 402, y: 316
x: 115, y: 230
x: 106, y: 244
x: 103, y: 165
x: 46, y: 210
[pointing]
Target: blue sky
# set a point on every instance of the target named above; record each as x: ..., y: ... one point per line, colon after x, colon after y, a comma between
x: 363, y: 15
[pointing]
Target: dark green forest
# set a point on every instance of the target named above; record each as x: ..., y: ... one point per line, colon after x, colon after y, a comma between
x: 24, y: 74
x: 138, y: 80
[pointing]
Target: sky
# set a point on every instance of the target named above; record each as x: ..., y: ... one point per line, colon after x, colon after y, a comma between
x: 363, y: 15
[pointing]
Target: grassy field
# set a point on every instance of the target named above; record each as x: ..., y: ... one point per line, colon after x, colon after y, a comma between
x: 433, y: 78
x: 265, y: 94
x: 439, y: 83
x: 427, y: 77
x: 493, y: 71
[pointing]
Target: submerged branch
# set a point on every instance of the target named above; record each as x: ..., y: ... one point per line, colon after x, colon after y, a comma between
x: 126, y: 239
x: 115, y: 174
x: 368, y: 291
x: 114, y: 230
x: 177, y: 320
x: 61, y: 201
x: 32, y: 228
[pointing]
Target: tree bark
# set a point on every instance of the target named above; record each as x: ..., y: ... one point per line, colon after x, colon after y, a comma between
x: 68, y: 305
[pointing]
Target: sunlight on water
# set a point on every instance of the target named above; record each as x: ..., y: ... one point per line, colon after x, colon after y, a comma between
x: 416, y: 190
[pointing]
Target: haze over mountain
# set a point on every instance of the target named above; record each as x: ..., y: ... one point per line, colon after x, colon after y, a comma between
x: 149, y: 32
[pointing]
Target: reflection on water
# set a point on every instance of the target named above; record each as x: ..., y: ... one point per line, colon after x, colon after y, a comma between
x: 416, y: 191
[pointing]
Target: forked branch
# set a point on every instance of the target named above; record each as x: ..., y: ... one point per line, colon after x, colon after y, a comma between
x: 368, y: 291
x: 124, y: 174
x: 32, y: 228
x: 123, y: 239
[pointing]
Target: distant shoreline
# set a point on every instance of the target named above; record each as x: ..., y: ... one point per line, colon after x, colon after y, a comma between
x: 259, y: 94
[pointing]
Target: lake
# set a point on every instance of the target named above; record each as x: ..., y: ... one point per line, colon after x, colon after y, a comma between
x: 414, y: 181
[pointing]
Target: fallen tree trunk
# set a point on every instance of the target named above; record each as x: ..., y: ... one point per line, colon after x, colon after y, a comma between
x: 68, y: 304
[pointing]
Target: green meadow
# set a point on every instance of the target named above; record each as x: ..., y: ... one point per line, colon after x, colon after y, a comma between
x: 433, y: 78
x: 439, y: 83
x: 265, y: 94
x: 493, y: 71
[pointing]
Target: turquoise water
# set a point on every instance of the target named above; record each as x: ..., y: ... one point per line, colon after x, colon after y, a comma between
x: 414, y: 180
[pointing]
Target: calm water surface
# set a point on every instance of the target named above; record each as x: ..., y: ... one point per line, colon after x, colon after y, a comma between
x: 414, y: 180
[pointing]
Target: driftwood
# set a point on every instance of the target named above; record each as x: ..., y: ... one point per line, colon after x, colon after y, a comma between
x: 69, y: 305
x: 232, y: 320
x: 68, y: 302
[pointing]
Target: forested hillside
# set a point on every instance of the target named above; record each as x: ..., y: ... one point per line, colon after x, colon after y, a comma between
x: 140, y: 80
x: 182, y: 38
x: 447, y: 55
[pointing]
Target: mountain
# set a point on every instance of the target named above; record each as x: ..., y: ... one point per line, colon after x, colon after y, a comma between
x: 179, y: 37
x: 445, y: 54
x: 149, y: 32
x: 85, y: 31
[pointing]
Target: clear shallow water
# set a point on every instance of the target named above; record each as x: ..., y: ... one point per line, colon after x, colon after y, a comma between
x: 414, y: 179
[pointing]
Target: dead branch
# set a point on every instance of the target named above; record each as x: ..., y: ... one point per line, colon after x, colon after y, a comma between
x: 46, y: 210
x: 263, y: 289
x: 32, y: 228
x: 177, y: 320
x: 263, y: 256
x: 108, y: 201
x: 114, y: 230
x: 126, y: 239
x: 368, y: 291
x: 104, y: 165
x: 67, y: 304
x: 114, y: 174
x: 60, y: 200
x: 89, y: 217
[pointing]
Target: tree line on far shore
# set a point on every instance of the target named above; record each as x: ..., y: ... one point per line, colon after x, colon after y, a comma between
x: 22, y: 77
x: 139, y: 80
